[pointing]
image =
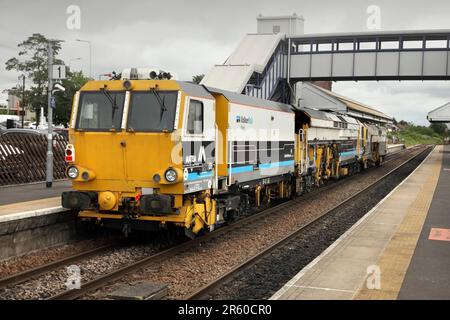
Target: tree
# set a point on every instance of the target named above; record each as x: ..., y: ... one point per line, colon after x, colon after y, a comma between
x: 73, y: 83
x: 198, y: 78
x: 439, y: 128
x: 32, y: 61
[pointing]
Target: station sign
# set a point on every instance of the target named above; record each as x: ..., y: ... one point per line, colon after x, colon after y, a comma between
x: 59, y: 72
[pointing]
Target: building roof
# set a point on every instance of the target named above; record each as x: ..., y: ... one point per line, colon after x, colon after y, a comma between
x: 252, y: 55
x: 385, y: 35
x: 440, y: 114
x: 294, y: 16
x: 353, y: 105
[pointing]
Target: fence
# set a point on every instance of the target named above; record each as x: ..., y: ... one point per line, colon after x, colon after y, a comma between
x: 23, y: 157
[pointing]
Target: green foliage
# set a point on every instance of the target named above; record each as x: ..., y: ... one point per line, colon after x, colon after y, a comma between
x: 439, y: 128
x: 73, y: 83
x: 32, y: 61
x: 198, y: 78
x: 412, y: 135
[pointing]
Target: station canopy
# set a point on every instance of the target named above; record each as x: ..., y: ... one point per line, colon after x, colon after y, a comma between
x: 441, y: 114
x: 312, y: 96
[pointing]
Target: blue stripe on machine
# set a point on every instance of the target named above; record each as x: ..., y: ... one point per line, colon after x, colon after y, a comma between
x: 261, y: 166
x: 276, y: 164
x: 199, y: 175
x: 240, y: 169
x: 347, y: 153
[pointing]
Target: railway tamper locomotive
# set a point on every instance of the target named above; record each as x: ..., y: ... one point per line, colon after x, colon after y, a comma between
x: 146, y: 151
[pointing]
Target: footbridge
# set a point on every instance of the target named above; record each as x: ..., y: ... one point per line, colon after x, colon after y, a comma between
x: 267, y: 66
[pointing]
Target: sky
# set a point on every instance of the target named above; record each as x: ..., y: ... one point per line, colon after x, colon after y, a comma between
x: 188, y: 37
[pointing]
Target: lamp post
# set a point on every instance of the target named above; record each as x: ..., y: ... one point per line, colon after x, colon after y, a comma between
x: 49, y: 169
x: 50, y: 107
x: 23, y: 98
x: 90, y: 55
x: 74, y: 59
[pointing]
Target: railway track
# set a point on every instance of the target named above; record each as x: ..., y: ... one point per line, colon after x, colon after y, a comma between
x: 118, y: 274
x: 30, y: 274
x: 205, y: 291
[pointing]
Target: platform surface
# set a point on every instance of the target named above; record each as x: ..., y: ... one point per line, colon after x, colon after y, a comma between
x: 428, y: 275
x: 24, y: 201
x: 32, y: 191
x: 388, y: 254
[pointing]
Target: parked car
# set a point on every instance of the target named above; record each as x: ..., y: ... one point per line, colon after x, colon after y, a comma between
x: 21, y: 131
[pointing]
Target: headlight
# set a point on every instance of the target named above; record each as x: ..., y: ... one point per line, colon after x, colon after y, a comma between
x: 72, y: 172
x: 170, y: 175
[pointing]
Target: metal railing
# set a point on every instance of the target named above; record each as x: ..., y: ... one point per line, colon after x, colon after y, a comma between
x: 23, y: 158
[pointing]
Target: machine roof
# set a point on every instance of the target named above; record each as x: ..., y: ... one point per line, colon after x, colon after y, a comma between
x: 195, y: 90
x: 317, y: 114
x: 251, y: 101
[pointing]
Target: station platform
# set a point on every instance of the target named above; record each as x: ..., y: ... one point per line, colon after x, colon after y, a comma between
x: 394, y: 148
x: 398, y: 250
x: 25, y: 201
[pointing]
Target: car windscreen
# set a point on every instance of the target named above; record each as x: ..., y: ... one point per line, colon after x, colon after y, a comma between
x: 152, y: 111
x: 100, y: 110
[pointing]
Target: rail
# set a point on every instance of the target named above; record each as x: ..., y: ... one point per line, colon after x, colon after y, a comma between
x: 173, y: 251
x: 204, y: 291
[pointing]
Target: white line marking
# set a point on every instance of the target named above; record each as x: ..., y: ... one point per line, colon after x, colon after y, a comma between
x: 320, y: 288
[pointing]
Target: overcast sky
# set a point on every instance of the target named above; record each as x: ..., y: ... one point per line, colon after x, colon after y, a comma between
x: 188, y: 37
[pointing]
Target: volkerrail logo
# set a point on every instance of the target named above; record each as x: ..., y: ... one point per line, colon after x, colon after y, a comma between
x: 244, y: 119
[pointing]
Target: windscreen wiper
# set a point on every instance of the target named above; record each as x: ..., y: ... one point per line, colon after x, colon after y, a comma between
x: 111, y: 100
x: 160, y: 101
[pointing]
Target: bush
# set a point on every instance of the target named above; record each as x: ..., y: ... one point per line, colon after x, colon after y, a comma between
x: 412, y: 135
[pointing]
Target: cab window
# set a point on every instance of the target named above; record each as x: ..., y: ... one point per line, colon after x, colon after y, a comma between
x: 152, y: 111
x: 195, y: 117
x: 100, y: 110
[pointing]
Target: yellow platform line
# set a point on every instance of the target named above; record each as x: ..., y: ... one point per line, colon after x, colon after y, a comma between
x: 396, y: 257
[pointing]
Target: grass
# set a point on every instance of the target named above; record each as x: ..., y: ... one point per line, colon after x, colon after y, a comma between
x: 412, y: 135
